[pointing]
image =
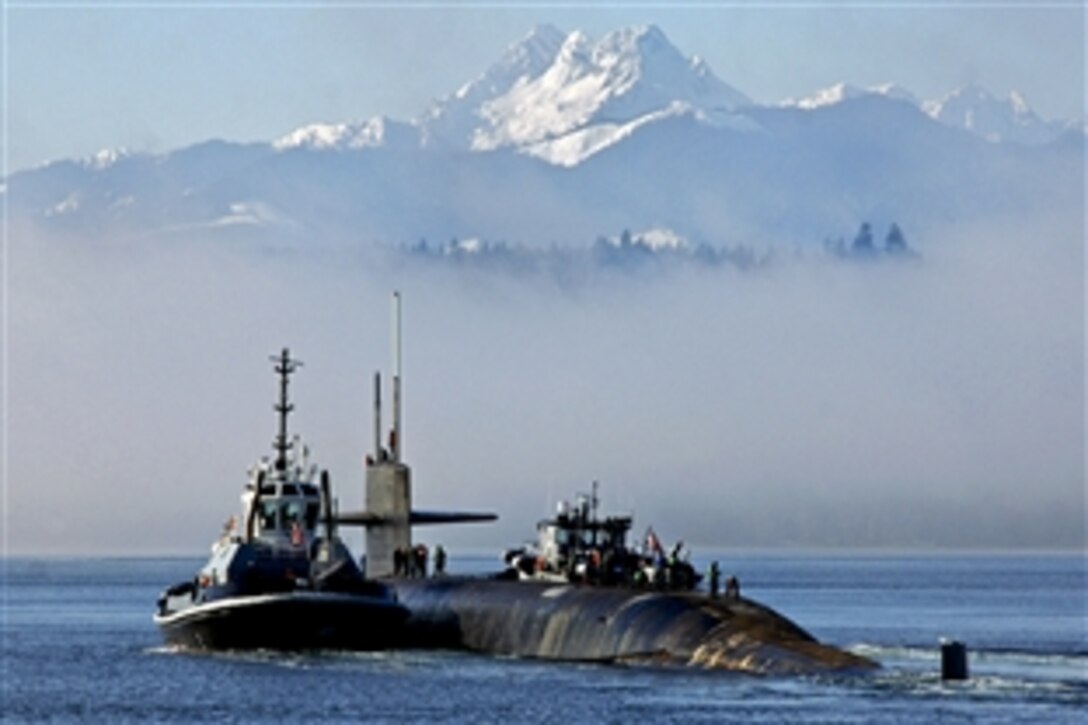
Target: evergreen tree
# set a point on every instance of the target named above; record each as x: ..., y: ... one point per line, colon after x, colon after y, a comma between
x: 863, y: 242
x: 895, y: 242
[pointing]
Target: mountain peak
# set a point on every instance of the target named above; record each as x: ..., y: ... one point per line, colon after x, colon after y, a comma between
x: 975, y: 109
x: 377, y: 131
x: 105, y: 158
x: 973, y: 95
x: 543, y: 36
x: 629, y: 74
x: 638, y: 52
x: 845, y: 91
x: 640, y: 39
x: 530, y: 55
x: 451, y: 120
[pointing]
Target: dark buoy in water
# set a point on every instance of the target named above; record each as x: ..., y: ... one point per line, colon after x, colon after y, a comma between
x: 953, y: 660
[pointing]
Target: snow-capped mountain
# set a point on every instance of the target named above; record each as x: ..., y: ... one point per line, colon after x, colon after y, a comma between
x: 559, y: 97
x: 996, y: 119
x: 844, y: 91
x: 378, y: 131
x: 972, y: 108
x: 453, y: 120
x: 627, y: 75
x: 104, y: 158
x: 566, y: 138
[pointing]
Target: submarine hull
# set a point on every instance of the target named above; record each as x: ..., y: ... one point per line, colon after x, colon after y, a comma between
x: 619, y: 625
x: 285, y: 621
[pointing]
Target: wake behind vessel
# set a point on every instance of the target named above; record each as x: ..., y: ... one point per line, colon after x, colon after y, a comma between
x: 281, y: 582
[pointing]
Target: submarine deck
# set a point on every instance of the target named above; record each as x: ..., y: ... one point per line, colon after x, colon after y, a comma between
x: 607, y: 624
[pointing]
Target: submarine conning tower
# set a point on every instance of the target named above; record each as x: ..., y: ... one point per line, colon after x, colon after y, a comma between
x: 389, y: 516
x: 388, y: 479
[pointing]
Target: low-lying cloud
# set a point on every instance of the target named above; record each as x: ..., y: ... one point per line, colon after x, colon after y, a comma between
x: 808, y: 402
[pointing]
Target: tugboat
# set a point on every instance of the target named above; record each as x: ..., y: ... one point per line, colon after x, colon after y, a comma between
x: 280, y: 583
x: 578, y: 547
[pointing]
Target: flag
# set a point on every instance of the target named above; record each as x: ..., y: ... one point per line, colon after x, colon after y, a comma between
x: 652, y: 542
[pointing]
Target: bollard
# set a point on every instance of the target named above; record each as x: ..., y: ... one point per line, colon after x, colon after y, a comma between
x: 953, y: 660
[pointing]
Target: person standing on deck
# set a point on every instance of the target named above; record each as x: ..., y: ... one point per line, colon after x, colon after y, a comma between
x: 439, y: 560
x: 713, y: 577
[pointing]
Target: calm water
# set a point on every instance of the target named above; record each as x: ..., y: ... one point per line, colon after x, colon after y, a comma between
x: 79, y: 644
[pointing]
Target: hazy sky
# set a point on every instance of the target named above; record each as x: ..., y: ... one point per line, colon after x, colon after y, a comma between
x: 156, y: 76
x: 812, y: 403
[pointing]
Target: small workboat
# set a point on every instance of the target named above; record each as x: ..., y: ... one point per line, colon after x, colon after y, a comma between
x: 577, y: 546
x: 281, y: 578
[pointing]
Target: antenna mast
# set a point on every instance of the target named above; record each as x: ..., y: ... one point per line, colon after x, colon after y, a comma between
x: 396, y: 442
x: 593, y: 507
x: 284, y: 367
x: 377, y: 416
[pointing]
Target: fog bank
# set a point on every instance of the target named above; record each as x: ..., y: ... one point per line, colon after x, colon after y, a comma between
x: 810, y: 402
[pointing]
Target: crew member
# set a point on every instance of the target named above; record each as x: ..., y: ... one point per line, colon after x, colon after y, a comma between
x: 714, y: 575
x: 399, y: 563
x: 439, y: 560
x: 421, y: 560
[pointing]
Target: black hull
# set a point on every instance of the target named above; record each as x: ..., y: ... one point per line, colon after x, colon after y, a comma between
x: 605, y: 624
x: 289, y: 621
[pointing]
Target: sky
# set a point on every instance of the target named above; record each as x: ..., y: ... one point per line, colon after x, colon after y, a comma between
x: 156, y: 76
x: 929, y: 405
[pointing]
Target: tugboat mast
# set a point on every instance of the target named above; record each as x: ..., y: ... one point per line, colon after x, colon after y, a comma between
x: 284, y: 366
x: 593, y: 512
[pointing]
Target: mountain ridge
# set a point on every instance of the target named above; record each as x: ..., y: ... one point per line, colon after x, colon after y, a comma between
x: 569, y: 138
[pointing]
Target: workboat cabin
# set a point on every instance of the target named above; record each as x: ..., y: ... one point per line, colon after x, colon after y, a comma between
x: 281, y: 508
x: 287, y: 507
x: 579, y: 546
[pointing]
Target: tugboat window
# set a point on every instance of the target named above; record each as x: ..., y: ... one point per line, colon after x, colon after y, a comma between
x: 290, y: 489
x: 268, y: 515
x: 292, y: 514
x: 311, y: 515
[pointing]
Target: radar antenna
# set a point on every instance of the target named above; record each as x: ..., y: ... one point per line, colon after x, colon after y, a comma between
x: 284, y: 367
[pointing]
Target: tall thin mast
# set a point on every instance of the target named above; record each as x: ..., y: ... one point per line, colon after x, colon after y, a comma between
x: 593, y: 508
x: 284, y: 366
x: 377, y: 416
x: 396, y: 443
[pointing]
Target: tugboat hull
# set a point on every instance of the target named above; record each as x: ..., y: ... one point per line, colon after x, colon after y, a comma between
x: 286, y: 621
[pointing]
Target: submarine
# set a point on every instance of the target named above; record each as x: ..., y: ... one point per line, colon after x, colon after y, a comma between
x: 555, y: 611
